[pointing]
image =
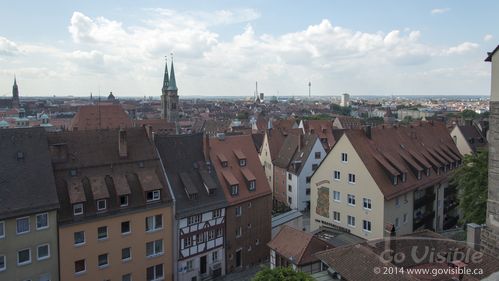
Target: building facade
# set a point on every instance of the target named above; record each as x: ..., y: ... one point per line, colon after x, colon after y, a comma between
x: 199, y: 207
x: 490, y: 234
x: 249, y: 211
x: 28, y: 208
x: 116, y: 216
x: 377, y: 176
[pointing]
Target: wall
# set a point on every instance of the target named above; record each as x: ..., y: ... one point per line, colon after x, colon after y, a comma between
x: 13, y: 242
x: 461, y: 143
x: 136, y: 240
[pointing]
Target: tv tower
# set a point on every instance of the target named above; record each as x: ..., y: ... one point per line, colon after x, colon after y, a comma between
x: 309, y: 89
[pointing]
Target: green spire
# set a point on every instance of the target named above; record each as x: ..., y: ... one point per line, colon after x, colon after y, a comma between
x: 165, y: 79
x: 172, y: 86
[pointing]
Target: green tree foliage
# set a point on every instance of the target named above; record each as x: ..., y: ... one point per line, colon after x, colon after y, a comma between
x: 342, y: 110
x: 281, y: 274
x: 469, y: 114
x: 471, y: 181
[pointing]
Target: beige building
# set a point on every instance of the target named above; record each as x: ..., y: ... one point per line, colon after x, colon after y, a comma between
x: 28, y: 204
x: 468, y: 138
x: 116, y: 217
x: 379, y: 176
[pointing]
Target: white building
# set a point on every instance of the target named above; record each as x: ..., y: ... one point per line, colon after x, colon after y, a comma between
x: 345, y: 100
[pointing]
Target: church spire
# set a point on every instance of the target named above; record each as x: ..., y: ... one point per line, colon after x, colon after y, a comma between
x: 15, y: 94
x: 165, y: 79
x: 172, y: 85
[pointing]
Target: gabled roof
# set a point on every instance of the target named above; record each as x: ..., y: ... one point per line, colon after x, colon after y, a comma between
x: 297, y: 246
x: 26, y: 179
x: 102, y: 116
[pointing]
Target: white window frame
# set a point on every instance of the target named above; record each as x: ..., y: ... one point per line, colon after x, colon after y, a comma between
x: 84, y: 238
x: 4, y: 263
x: 154, y: 227
x: 369, y: 223
x: 367, y: 204
x: 129, y: 228
x: 154, y: 253
x: 2, y: 228
x: 240, y: 230
x: 126, y: 275
x: 78, y: 206
x: 337, y: 175
x: 350, y: 177
x: 252, y: 185
x: 187, y: 241
x: 107, y: 261
x: 351, y: 219
x: 344, y: 157
x: 217, y: 213
x: 84, y: 267
x: 25, y: 262
x: 351, y: 200
x: 214, y: 256
x: 126, y: 199
x: 129, y: 258
x: 334, y: 217
x: 38, y: 258
x: 239, y: 211
x: 334, y: 196
x: 29, y: 226
x: 156, y: 195
x: 43, y: 227
x: 404, y: 218
x: 98, y: 205
x: 157, y: 278
x: 107, y: 233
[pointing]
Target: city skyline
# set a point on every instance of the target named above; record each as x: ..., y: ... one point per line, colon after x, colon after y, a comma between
x: 221, y: 48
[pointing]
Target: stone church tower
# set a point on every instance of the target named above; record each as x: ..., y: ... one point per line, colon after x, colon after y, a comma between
x: 490, y: 234
x: 169, y: 96
x: 15, y: 95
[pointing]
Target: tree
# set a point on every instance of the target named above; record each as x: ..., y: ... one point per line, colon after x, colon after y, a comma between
x: 281, y: 274
x: 471, y: 181
x: 469, y: 114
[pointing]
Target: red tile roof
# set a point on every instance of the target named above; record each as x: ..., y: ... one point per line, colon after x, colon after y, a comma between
x: 104, y: 116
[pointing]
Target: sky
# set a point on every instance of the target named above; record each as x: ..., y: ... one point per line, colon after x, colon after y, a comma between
x: 220, y: 48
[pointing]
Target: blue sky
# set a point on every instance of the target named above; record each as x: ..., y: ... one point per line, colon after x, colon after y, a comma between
x: 222, y: 47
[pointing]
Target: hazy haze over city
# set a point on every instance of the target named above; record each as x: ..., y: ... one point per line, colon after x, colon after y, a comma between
x: 222, y: 47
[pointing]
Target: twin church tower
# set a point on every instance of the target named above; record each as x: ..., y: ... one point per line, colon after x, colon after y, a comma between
x: 169, y: 95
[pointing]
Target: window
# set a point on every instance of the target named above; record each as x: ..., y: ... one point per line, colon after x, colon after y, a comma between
x: 103, y: 260
x: 367, y: 204
x: 307, y: 191
x: 101, y: 205
x: 239, y: 232
x: 366, y: 225
x: 22, y: 225
x: 187, y: 241
x: 289, y: 176
x: 249, y: 204
x: 404, y: 219
x: 225, y: 164
x: 126, y: 277
x: 154, y: 272
x: 351, y: 221
x: 314, y: 167
x: 211, y: 234
x: 290, y: 188
x: 102, y: 232
x: 43, y: 252
x: 242, y: 162
x: 154, y: 248
x: 307, y: 179
x: 80, y: 266
x: 125, y: 227
x: 154, y: 195
x: 397, y: 202
x: 123, y: 200
x: 154, y: 222
x: 290, y: 200
x: 42, y: 221
x: 344, y: 157
x: 194, y: 219
x: 200, y: 238
x: 234, y: 189
x: 318, y: 155
x: 189, y: 265
x: 351, y: 178
x: 3, y: 263
x: 336, y: 196
x: 257, y: 242
x: 220, y: 232
x: 252, y: 185
x: 79, y: 237
x: 73, y: 172
x: 239, y: 211
x: 351, y: 200
x: 78, y: 209
x: 214, y: 256
x: 2, y: 229
x: 337, y: 175
x: 217, y: 213
x: 24, y: 257
x: 126, y: 254
x: 336, y: 216
x: 397, y: 223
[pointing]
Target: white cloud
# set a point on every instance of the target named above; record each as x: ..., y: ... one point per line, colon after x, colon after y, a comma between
x: 7, y: 47
x: 487, y: 37
x: 461, y: 48
x: 437, y: 11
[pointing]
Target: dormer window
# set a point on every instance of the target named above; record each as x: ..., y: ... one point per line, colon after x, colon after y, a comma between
x: 225, y: 164
x: 242, y: 162
x: 101, y: 205
x: 223, y: 160
x: 234, y: 189
x: 123, y: 200
x: 395, y: 180
x: 404, y: 177
x: 154, y: 195
x: 20, y: 155
x: 252, y: 185
x: 419, y: 175
x: 78, y: 209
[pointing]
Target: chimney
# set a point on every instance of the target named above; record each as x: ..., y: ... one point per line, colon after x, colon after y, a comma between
x: 206, y: 148
x: 368, y: 130
x: 122, y: 144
